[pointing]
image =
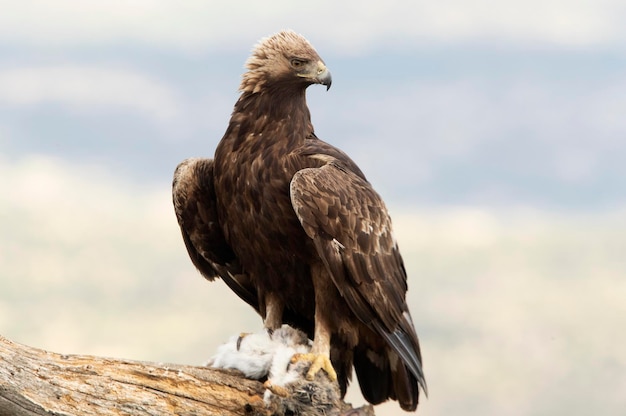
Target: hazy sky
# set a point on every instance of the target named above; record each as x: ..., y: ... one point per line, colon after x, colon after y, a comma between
x: 495, y: 131
x: 517, y: 103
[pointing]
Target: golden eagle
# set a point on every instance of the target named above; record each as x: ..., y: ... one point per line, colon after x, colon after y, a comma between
x: 290, y: 223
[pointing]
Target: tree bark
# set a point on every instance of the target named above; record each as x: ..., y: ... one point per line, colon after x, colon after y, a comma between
x: 37, y: 382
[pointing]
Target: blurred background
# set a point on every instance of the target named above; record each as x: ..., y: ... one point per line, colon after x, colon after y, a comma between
x: 495, y: 131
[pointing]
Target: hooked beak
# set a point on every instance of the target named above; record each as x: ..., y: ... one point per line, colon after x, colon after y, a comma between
x: 323, y: 75
x: 317, y: 73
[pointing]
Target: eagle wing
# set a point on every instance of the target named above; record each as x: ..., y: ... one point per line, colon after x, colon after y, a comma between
x: 351, y: 230
x: 194, y: 200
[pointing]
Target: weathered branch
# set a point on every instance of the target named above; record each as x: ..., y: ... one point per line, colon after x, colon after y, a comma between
x: 37, y: 382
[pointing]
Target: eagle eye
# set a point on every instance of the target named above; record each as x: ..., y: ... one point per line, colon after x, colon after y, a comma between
x: 297, y: 63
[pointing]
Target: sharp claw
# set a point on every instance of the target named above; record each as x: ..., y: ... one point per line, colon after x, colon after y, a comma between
x: 318, y: 362
x: 277, y: 390
x: 241, y: 337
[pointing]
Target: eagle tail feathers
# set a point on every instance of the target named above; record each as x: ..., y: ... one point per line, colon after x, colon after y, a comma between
x: 404, y: 342
x: 373, y: 376
x: 383, y: 375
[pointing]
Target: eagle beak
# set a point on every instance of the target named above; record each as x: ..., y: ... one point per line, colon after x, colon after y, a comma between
x: 323, y: 75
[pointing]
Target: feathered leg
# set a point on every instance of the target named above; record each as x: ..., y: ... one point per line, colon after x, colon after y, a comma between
x: 320, y: 351
x: 273, y: 316
x: 273, y: 312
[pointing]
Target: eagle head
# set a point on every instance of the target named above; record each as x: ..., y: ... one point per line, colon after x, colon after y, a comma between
x: 286, y: 60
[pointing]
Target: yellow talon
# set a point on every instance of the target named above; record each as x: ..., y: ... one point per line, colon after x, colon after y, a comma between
x: 318, y: 362
x: 277, y: 390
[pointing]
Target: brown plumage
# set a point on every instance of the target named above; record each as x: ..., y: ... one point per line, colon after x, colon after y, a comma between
x: 290, y: 223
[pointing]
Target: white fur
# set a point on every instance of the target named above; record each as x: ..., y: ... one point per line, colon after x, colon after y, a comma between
x: 261, y: 354
x: 253, y: 358
x: 282, y: 372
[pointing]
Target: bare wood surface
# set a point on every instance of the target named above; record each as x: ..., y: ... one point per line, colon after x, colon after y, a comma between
x: 38, y: 382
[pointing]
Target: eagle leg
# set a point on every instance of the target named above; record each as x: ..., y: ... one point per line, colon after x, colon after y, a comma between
x: 319, y: 356
x: 273, y: 312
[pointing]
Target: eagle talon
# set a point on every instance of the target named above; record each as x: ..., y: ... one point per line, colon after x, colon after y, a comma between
x: 277, y: 390
x: 242, y: 335
x: 318, y: 362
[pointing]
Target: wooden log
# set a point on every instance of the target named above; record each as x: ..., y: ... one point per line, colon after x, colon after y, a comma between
x: 37, y: 382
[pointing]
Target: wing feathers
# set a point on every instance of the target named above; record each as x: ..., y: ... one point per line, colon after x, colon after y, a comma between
x: 335, y: 205
x: 195, y: 206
